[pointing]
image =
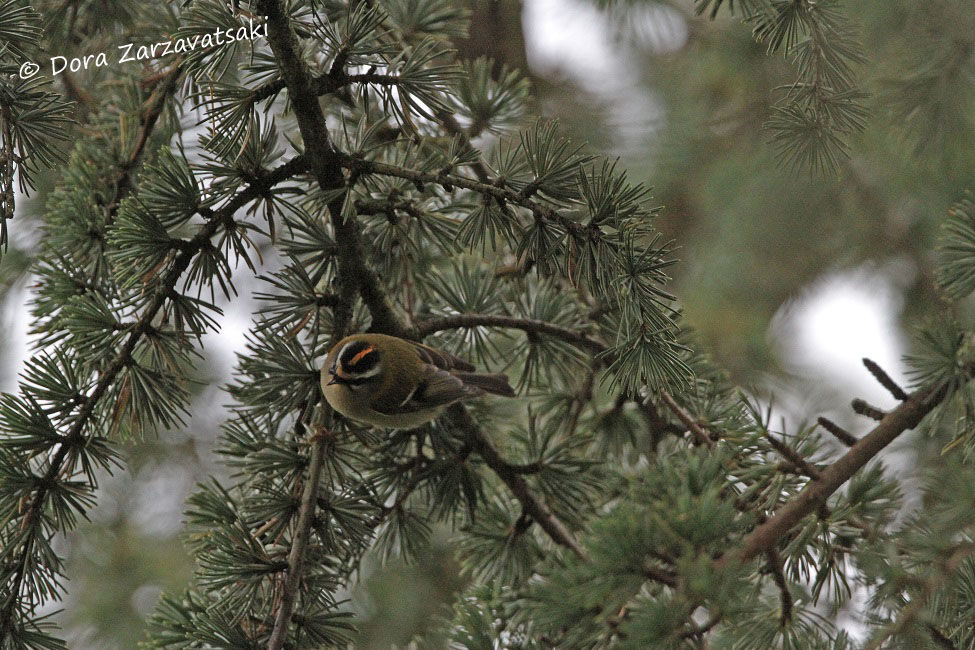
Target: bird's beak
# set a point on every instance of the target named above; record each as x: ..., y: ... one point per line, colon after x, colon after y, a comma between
x: 338, y: 376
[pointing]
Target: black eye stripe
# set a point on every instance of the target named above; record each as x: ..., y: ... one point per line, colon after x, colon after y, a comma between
x: 358, y: 381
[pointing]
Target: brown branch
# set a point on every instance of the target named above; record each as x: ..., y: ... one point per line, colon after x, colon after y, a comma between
x: 792, y: 456
x: 77, y: 94
x: 884, y: 379
x: 861, y: 407
x: 658, y: 425
x: 324, y: 162
x: 663, y: 576
x: 427, y: 328
x: 527, y: 468
x: 453, y: 128
x: 700, y: 630
x: 362, y: 166
x: 775, y: 564
x: 296, y: 555
x: 75, y: 437
x: 531, y: 504
x: 8, y: 173
x: 838, y: 432
x: 154, y: 107
x: 325, y: 84
x: 687, y: 419
x: 353, y: 274
x: 904, y: 417
x: 415, y: 467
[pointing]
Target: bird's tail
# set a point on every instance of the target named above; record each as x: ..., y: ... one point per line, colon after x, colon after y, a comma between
x: 496, y: 384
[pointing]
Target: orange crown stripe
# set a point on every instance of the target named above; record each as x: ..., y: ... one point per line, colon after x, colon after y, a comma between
x: 358, y: 357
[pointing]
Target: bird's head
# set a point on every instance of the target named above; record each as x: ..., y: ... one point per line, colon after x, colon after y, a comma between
x: 356, y: 364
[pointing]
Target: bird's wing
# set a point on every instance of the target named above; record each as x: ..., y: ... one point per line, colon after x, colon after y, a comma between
x: 437, y: 388
x: 440, y: 359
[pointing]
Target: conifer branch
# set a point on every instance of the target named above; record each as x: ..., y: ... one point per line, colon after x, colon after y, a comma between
x: 324, y: 163
x: 167, y: 86
x: 354, y: 276
x: 77, y: 94
x: 532, y: 505
x: 862, y: 407
x: 8, y: 170
x: 697, y: 631
x: 943, y: 572
x: 326, y: 84
x: 792, y: 456
x: 700, y: 435
x: 884, y: 379
x: 659, y: 426
x: 540, y: 211
x: 75, y: 436
x: 775, y: 564
x: 456, y: 321
x: 939, y: 637
x: 299, y: 542
x: 453, y: 128
x: 838, y: 432
x: 906, y: 416
x: 408, y: 489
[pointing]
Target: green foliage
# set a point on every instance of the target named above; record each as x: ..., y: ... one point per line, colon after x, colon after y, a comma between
x: 956, y: 274
x: 33, y: 119
x: 812, y: 124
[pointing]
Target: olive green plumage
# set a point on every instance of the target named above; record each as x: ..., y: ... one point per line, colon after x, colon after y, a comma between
x: 391, y: 382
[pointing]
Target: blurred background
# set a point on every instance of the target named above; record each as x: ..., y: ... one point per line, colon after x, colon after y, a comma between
x: 788, y: 278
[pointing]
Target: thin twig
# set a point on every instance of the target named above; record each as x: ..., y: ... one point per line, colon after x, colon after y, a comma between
x: 8, y: 164
x: 299, y: 541
x: 450, y: 124
x: 861, y: 407
x: 153, y: 110
x: 362, y: 166
x: 658, y: 574
x: 354, y: 275
x: 838, y: 432
x: 456, y: 321
x: 404, y: 494
x: 775, y: 564
x: 885, y: 380
x: 699, y: 630
x: 687, y: 419
x: 658, y: 425
x: 792, y: 456
x: 582, y: 397
x: 534, y: 506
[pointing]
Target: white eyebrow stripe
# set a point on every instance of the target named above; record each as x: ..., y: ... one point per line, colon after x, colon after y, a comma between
x: 338, y: 357
x: 372, y: 372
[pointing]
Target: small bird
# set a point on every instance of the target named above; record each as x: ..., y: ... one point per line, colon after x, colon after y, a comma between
x: 390, y: 382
